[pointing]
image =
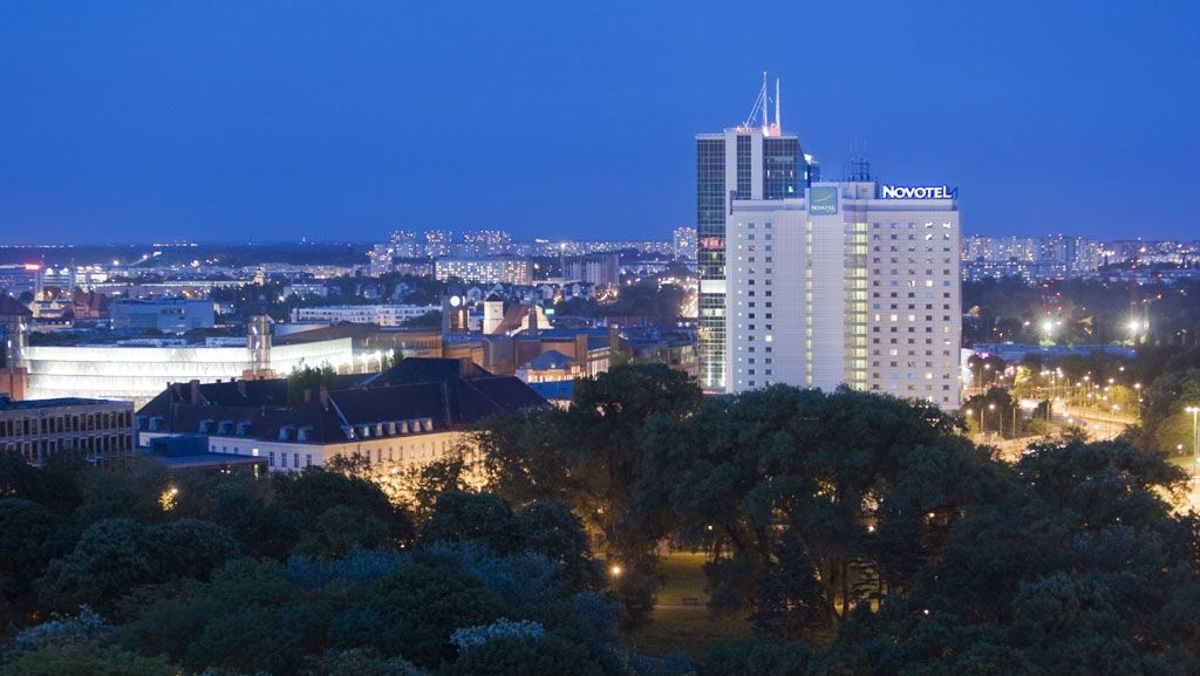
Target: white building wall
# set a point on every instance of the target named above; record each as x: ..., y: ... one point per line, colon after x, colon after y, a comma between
x: 827, y: 321
x: 138, y: 374
x: 913, y: 317
x: 915, y: 322
x: 400, y: 452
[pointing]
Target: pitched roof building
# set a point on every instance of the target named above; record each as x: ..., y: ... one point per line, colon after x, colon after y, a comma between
x: 415, y: 413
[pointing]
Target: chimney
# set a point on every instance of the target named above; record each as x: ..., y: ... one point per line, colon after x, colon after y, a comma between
x: 194, y: 387
x: 241, y: 387
x: 581, y: 347
x: 324, y: 394
x: 533, y: 320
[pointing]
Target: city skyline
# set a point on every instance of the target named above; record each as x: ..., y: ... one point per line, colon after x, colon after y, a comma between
x: 354, y: 123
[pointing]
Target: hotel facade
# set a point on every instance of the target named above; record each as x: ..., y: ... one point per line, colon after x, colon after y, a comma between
x: 852, y: 283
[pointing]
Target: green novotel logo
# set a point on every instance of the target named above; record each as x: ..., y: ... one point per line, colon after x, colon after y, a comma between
x: 823, y: 200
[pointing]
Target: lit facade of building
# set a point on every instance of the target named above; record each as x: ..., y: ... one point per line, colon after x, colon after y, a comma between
x: 380, y: 315
x: 19, y: 279
x: 438, y: 243
x: 404, y: 244
x: 496, y: 270
x: 485, y: 243
x: 597, y: 269
x: 137, y: 373
x: 683, y: 241
x: 845, y: 285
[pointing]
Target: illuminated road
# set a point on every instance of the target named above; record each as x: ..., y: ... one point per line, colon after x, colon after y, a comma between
x: 1100, y: 426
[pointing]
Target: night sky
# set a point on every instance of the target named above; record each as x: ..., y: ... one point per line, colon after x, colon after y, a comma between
x: 343, y: 120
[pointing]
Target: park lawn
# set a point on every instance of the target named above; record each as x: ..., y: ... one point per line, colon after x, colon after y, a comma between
x: 683, y: 577
x: 688, y: 629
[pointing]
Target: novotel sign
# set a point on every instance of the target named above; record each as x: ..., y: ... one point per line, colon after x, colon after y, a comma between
x: 917, y: 192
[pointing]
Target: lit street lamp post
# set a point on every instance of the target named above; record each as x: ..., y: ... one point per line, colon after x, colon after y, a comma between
x: 1195, y: 431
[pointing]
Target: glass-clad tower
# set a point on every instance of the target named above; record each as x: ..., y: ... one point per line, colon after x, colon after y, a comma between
x: 742, y: 163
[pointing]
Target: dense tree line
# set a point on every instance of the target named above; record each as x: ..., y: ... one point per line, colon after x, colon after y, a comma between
x: 859, y: 534
x: 864, y: 534
x: 132, y: 571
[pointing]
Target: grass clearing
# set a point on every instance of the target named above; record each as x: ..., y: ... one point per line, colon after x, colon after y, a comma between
x: 688, y: 630
x: 683, y: 577
x: 677, y: 627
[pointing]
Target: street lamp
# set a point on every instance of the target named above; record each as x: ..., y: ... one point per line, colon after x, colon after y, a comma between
x: 991, y: 407
x: 1195, y: 431
x: 1048, y: 329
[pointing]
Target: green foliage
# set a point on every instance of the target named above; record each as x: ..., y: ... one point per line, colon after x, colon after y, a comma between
x: 549, y: 528
x: 341, y: 528
x: 362, y: 663
x: 522, y: 656
x: 111, y: 557
x: 52, y: 489
x: 305, y: 383
x: 759, y: 658
x: 311, y: 493
x: 115, y: 555
x: 429, y: 320
x: 484, y: 517
x: 87, y: 659
x: 591, y: 456
x: 419, y: 607
x: 30, y: 536
x: 841, y: 472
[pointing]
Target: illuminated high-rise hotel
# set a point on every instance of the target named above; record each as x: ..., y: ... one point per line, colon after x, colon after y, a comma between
x: 822, y: 284
x: 754, y: 161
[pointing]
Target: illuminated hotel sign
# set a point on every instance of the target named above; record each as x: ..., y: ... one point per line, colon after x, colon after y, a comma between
x: 823, y: 200
x: 925, y: 192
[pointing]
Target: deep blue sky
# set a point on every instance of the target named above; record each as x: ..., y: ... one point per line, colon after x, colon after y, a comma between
x: 340, y: 120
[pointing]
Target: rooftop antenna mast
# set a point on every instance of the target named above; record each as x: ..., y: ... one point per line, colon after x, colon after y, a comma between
x: 778, y: 123
x: 760, y: 104
x: 765, y: 124
x: 860, y: 162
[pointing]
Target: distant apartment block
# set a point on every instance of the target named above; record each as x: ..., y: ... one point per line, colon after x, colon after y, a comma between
x: 596, y: 269
x: 170, y: 315
x: 438, y: 243
x: 485, y: 243
x: 380, y: 315
x: 495, y: 270
x: 1032, y: 259
x: 683, y: 241
x: 404, y: 244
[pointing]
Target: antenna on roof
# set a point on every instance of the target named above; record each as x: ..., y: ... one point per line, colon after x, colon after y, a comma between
x: 760, y: 104
x: 778, y: 123
x: 766, y: 124
x: 860, y: 162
